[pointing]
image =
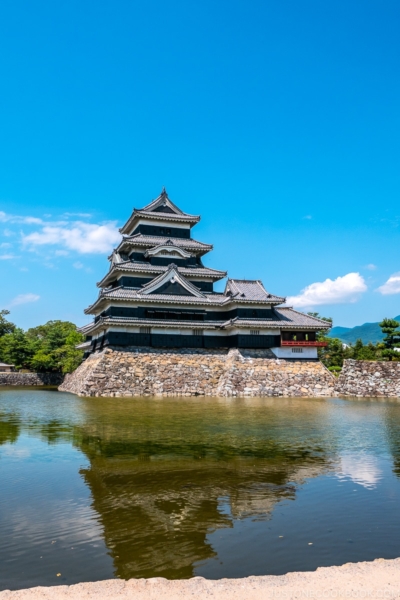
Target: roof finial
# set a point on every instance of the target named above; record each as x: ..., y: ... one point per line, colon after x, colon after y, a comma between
x: 164, y: 191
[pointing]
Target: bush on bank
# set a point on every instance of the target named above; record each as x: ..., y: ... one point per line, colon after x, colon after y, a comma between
x: 46, y: 348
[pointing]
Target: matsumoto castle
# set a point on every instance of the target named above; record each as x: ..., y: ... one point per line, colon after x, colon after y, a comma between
x: 158, y: 293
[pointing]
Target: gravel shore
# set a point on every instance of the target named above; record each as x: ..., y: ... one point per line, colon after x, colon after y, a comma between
x: 373, y: 580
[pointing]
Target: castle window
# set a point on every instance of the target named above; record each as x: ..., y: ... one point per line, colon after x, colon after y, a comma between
x: 297, y: 350
x: 197, y: 332
x: 145, y: 330
x: 254, y: 332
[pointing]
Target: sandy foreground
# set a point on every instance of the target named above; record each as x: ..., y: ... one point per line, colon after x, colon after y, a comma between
x: 375, y: 580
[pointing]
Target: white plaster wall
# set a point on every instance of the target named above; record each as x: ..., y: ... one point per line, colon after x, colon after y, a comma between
x: 120, y: 329
x: 217, y: 332
x: 159, y: 330
x: 287, y: 353
x: 107, y: 305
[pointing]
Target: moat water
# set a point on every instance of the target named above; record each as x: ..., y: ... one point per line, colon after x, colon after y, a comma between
x: 95, y: 488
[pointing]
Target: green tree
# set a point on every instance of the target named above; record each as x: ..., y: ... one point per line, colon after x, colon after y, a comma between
x: 48, y: 347
x: 5, y: 325
x: 391, y: 340
x: 56, y: 349
x: 17, y: 349
x: 364, y: 352
x: 332, y: 355
x: 68, y: 356
x: 43, y: 362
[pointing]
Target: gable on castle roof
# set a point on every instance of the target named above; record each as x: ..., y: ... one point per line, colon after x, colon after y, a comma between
x: 168, y: 249
x: 171, y: 282
x: 163, y: 204
x: 248, y: 289
x: 160, y: 209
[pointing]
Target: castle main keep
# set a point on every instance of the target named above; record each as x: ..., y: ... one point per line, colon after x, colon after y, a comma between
x: 158, y: 293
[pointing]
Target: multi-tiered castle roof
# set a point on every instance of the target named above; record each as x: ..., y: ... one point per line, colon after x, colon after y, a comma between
x: 159, y: 293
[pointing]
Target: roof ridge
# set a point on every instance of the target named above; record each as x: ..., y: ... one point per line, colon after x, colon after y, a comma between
x: 260, y: 283
x: 165, y: 215
x: 247, y: 280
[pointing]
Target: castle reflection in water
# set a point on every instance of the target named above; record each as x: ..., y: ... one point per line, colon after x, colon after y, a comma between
x: 164, y: 475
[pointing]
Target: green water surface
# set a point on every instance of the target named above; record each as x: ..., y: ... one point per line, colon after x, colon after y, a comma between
x: 94, y: 488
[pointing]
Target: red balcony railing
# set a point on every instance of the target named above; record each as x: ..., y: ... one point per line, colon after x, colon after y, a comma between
x: 313, y: 344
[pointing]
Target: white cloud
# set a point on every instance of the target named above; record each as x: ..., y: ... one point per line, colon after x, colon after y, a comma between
x: 16, y: 452
x: 392, y: 285
x: 363, y: 470
x: 85, y: 238
x: 67, y: 215
x: 5, y: 245
x: 79, y: 265
x: 307, y: 217
x: 6, y: 256
x: 5, y: 218
x: 29, y: 220
x: 342, y: 289
x: 371, y: 267
x: 23, y: 299
x: 66, y: 235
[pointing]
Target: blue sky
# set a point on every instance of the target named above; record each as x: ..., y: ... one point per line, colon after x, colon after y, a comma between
x: 278, y: 122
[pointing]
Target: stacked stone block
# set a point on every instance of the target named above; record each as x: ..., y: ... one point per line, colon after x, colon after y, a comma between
x: 372, y: 379
x: 152, y: 372
x: 34, y: 379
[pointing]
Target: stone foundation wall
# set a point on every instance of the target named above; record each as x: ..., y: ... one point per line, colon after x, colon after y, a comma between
x: 248, y: 373
x: 31, y: 379
x: 156, y: 372
x: 365, y: 378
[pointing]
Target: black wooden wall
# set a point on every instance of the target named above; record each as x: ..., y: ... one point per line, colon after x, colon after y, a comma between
x: 114, y: 338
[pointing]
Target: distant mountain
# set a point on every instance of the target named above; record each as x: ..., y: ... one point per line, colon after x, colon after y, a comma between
x: 339, y: 331
x: 369, y: 332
